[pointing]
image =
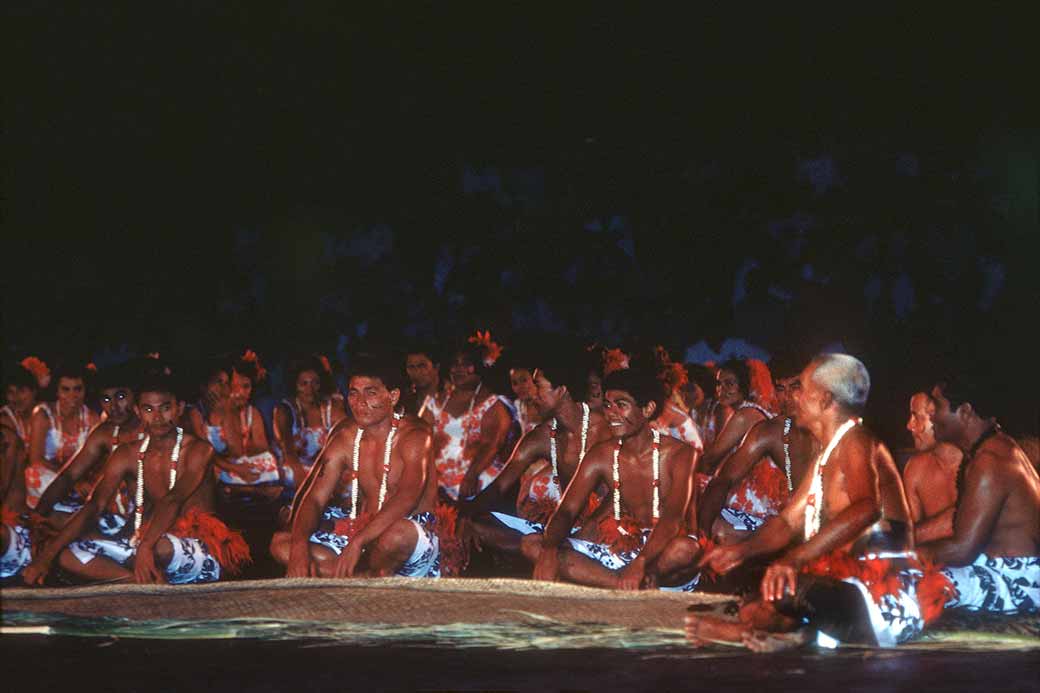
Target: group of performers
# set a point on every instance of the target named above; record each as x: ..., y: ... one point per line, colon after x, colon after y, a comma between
x: 614, y: 470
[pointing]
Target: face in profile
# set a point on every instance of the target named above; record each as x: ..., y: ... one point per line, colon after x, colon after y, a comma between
x: 944, y: 419
x: 784, y: 389
x: 920, y: 423
x: 727, y: 388
x: 807, y: 400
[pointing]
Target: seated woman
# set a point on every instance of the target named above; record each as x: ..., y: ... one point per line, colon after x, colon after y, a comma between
x: 225, y: 416
x: 58, y: 429
x: 674, y: 419
x: 302, y: 424
x: 736, y: 410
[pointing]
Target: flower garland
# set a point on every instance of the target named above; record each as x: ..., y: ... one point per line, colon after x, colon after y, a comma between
x: 19, y: 427
x: 175, y: 455
x: 326, y: 414
x: 622, y: 533
x: 787, y: 453
x: 81, y: 436
x: 814, y: 504
x: 387, y: 447
x: 552, y: 445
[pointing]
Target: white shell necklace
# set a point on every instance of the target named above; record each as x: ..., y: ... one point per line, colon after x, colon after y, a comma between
x: 656, y: 456
x: 814, y: 503
x: 552, y: 445
x: 175, y: 455
x: 787, y: 453
x: 354, y: 482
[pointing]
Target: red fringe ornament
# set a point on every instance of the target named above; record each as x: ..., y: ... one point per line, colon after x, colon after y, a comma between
x: 614, y: 360
x: 38, y: 368
x: 492, y: 350
x: 454, y: 555
x: 622, y: 536
x: 224, y: 544
x: 933, y: 591
x: 350, y: 528
x: 252, y: 357
x: 9, y: 517
x: 761, y: 384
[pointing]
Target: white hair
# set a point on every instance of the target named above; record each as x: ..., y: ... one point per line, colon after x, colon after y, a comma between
x: 845, y: 377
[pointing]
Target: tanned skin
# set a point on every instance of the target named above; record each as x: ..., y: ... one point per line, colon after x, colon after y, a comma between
x: 308, y: 395
x: 727, y: 391
x: 194, y: 488
x: 999, y: 511
x: 930, y: 475
x: 389, y: 538
x: 861, y: 487
x: 629, y: 422
x: 118, y: 404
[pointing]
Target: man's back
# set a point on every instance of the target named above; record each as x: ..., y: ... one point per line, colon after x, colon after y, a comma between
x: 1002, y: 472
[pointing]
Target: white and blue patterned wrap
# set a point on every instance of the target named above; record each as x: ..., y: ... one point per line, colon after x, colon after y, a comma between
x: 1003, y: 585
x: 602, y: 554
x: 425, y: 560
x: 19, y: 551
x: 191, y: 562
x: 896, y: 618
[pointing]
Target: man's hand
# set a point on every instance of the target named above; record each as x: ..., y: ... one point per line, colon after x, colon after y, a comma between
x: 300, y: 564
x: 631, y: 576
x: 723, y: 559
x: 37, y: 571
x: 780, y: 580
x: 145, y: 570
x: 348, y: 560
x: 548, y: 565
x: 470, y: 486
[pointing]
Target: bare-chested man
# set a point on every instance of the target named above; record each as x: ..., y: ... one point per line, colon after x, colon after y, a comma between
x: 649, y: 475
x: 15, y: 543
x: 930, y: 475
x: 545, y: 460
x: 79, y: 474
x: 993, y: 556
x: 58, y: 430
x: 850, y: 512
x: 367, y: 507
x: 173, y: 535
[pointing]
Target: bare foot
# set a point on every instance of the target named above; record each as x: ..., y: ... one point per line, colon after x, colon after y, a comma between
x: 764, y: 641
x: 702, y: 630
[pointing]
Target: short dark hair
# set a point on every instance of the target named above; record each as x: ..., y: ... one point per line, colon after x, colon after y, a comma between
x: 73, y: 370
x: 971, y: 389
x: 20, y: 377
x: 785, y: 365
x: 388, y: 372
x: 703, y: 376
x: 641, y: 381
x: 160, y: 382
x: 427, y: 349
x: 126, y: 374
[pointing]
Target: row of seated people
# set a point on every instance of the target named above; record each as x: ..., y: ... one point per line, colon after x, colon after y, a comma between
x: 797, y: 507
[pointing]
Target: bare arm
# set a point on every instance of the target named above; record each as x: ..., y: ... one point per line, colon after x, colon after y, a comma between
x: 93, y: 450
x: 984, y: 496
x: 12, y: 471
x: 729, y: 437
x: 754, y: 447
x: 116, y: 469
x: 494, y: 427
x: 39, y: 427
x: 531, y: 448
x: 284, y: 437
x: 257, y: 435
x: 911, y: 483
x: 325, y: 473
x: 934, y: 528
x: 679, y: 490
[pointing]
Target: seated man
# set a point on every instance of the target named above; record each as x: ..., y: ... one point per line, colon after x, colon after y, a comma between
x: 79, y: 474
x: 993, y: 556
x: 544, y: 461
x: 15, y: 540
x: 851, y: 579
x: 930, y: 476
x: 173, y: 536
x: 649, y: 475
x: 367, y: 506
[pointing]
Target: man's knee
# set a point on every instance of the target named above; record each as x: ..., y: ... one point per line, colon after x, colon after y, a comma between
x: 531, y: 547
x: 680, y: 553
x: 398, y: 539
x: 163, y: 551
x: 69, y: 563
x: 280, y: 547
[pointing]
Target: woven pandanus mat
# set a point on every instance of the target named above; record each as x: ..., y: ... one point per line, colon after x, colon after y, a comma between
x: 384, y: 600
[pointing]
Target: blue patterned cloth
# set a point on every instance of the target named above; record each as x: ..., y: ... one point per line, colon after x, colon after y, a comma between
x: 191, y: 562
x: 18, y: 553
x: 1003, y: 585
x: 425, y: 560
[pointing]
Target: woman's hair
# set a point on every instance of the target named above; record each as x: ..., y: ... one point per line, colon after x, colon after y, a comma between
x: 739, y: 368
x: 311, y: 362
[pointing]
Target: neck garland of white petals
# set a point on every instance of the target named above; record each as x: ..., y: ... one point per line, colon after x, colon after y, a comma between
x: 175, y: 455
x: 656, y: 457
x: 814, y: 503
x: 387, y: 447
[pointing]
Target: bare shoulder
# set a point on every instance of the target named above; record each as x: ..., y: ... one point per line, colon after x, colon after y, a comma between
x: 673, y: 447
x: 344, y: 430
x: 602, y: 453
x: 196, y: 450
x: 123, y: 457
x: 917, y: 465
x: 102, y: 430
x: 414, y: 432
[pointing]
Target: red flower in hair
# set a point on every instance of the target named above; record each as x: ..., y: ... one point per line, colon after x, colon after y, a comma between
x: 92, y: 367
x: 325, y: 363
x: 492, y: 350
x: 39, y: 369
x: 252, y: 357
x: 761, y: 384
x: 614, y: 360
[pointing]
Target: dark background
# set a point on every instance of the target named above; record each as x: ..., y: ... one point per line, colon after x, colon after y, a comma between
x: 196, y: 179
